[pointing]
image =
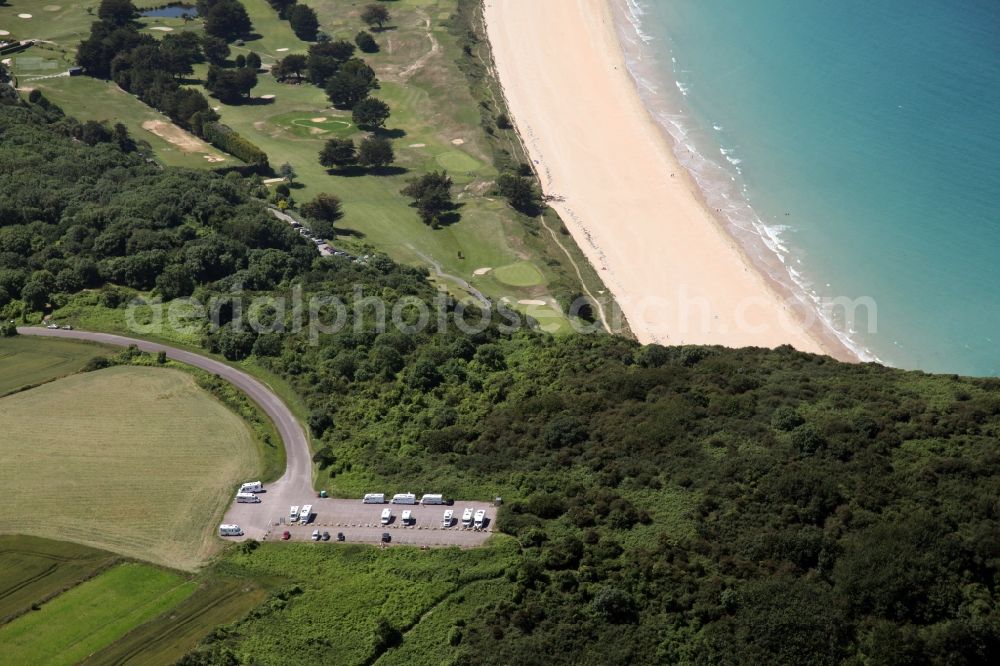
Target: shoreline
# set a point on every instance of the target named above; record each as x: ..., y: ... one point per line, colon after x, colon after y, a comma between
x: 636, y: 212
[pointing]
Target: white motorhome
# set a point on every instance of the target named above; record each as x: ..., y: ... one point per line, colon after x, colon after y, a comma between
x: 374, y: 498
x: 293, y: 514
x: 404, y: 498
x: 386, y: 516
x: 246, y: 498
x: 480, y: 519
x: 432, y: 499
x: 407, y: 517
x: 449, y: 515
x: 305, y: 514
x: 252, y: 487
x: 230, y: 530
x: 467, y: 518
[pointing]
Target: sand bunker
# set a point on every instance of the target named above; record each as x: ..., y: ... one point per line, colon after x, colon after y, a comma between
x: 458, y: 142
x: 417, y: 145
x: 3, y: 33
x: 482, y: 271
x: 267, y: 96
x: 318, y: 120
x: 531, y: 301
x: 281, y: 50
x: 162, y: 28
x: 188, y: 143
x: 24, y: 16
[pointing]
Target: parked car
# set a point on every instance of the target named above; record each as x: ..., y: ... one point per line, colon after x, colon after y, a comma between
x: 286, y: 535
x: 52, y: 326
x: 340, y: 536
x: 386, y: 537
x: 326, y: 536
x: 316, y: 536
x: 67, y: 327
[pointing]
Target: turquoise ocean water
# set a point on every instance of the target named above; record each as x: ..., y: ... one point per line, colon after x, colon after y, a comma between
x: 854, y: 149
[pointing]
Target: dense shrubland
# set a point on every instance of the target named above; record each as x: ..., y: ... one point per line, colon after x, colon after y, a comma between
x: 689, y: 504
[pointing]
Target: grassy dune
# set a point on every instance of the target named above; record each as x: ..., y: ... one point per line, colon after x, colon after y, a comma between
x: 138, y: 461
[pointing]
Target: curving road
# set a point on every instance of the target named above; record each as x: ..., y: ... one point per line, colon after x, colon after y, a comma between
x: 294, y: 486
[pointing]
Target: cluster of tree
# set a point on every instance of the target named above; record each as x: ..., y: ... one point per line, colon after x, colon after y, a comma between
x: 151, y: 70
x: 226, y: 138
x: 81, y: 208
x: 301, y: 18
x: 520, y: 191
x: 431, y: 194
x: 374, y: 152
x: 225, y: 19
x: 231, y: 86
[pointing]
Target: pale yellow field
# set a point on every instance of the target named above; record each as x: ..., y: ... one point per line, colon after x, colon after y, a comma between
x: 139, y: 461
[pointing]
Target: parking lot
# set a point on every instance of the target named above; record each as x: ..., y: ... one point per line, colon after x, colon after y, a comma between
x: 360, y: 523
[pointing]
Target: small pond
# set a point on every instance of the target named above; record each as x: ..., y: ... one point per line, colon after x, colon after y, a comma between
x: 171, y: 11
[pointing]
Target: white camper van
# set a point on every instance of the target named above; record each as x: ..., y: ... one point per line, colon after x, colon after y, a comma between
x: 246, y: 498
x: 305, y: 514
x: 374, y: 498
x: 480, y: 519
x: 252, y: 487
x: 467, y: 518
x: 407, y: 517
x: 404, y: 498
x: 432, y: 499
x: 386, y: 516
x: 448, y: 517
x: 293, y: 514
x: 230, y: 530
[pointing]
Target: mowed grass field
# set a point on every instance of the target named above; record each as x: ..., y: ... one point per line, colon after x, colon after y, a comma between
x: 32, y: 361
x: 93, y: 615
x: 167, y: 638
x: 33, y: 570
x: 138, y: 461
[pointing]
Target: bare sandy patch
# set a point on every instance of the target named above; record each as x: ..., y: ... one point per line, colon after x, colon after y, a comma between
x: 281, y: 50
x: 24, y: 16
x: 187, y: 142
x: 418, y: 145
x: 458, y: 142
x: 162, y: 28
x: 531, y: 301
x: 272, y: 181
x: 320, y: 119
x: 482, y: 271
x: 3, y: 33
x: 267, y: 96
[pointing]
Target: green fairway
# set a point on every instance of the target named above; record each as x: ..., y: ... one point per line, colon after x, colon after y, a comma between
x: 92, y: 615
x: 167, y: 638
x: 138, y: 461
x: 521, y: 274
x: 31, y: 361
x: 33, y: 569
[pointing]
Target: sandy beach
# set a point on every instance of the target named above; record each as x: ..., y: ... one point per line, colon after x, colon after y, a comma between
x: 613, y: 178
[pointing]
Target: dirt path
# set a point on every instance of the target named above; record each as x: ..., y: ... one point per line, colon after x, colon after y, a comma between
x: 295, y: 485
x: 185, y: 141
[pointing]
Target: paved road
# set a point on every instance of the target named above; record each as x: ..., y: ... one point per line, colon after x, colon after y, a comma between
x: 295, y: 485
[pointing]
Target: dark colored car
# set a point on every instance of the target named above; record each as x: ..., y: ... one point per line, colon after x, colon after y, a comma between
x: 326, y: 536
x: 286, y: 535
x: 386, y: 537
x: 340, y: 536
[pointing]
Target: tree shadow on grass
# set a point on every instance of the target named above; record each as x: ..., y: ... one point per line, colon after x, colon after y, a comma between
x: 388, y: 171
x: 258, y: 101
x: 396, y: 133
x: 351, y: 233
